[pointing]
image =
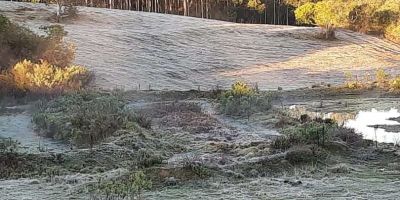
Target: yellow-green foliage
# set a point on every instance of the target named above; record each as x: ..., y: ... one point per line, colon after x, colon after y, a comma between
x: 382, y: 80
x: 381, y: 77
x: 326, y: 13
x: 244, y: 100
x: 395, y: 83
x: 368, y: 16
x: 28, y: 76
x: 305, y: 13
x: 352, y: 82
x: 392, y: 32
x: 241, y: 89
x: 256, y: 4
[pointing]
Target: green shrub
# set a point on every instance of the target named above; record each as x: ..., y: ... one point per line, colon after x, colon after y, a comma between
x: 130, y: 187
x: 140, y: 183
x: 83, y: 117
x: 243, y: 100
x: 315, y: 133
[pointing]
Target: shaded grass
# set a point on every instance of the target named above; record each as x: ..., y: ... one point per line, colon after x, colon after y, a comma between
x: 84, y: 118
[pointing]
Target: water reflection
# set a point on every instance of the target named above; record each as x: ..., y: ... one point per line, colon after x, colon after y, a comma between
x: 365, y: 120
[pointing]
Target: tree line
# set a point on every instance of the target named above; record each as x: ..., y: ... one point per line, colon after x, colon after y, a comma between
x: 278, y: 12
x: 379, y: 17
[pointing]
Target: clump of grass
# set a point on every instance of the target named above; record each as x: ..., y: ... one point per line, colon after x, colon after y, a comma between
x: 284, y: 142
x: 382, y: 80
x: 143, y: 120
x: 8, y: 145
x: 195, y: 165
x: 85, y: 118
x: 352, y: 82
x: 131, y: 187
x: 147, y: 158
x: 395, y: 83
x: 243, y: 100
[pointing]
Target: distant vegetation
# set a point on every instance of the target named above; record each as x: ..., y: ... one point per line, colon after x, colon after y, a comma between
x: 367, y: 16
x: 241, y: 11
x: 30, y: 63
x: 381, y: 80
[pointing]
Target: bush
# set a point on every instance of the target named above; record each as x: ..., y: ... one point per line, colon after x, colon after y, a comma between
x: 84, y: 118
x: 381, y: 78
x: 284, y: 142
x: 367, y: 16
x: 147, y: 158
x: 196, y: 165
x: 305, y: 13
x: 314, y: 133
x: 140, y: 183
x: 43, y: 77
x: 351, y: 82
x: 54, y: 49
x: 18, y: 43
x: 130, y: 187
x: 243, y: 100
x: 395, y: 83
x: 392, y: 32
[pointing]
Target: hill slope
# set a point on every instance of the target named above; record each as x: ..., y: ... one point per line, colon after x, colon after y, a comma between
x: 126, y: 48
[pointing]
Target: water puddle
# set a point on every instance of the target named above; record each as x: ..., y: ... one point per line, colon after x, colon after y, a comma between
x: 377, y: 125
x: 19, y: 127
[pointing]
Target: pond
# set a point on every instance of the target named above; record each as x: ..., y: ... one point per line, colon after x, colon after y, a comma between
x: 377, y: 125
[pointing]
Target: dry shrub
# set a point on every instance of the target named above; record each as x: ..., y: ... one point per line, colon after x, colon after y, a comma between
x: 382, y: 80
x: 349, y: 136
x: 18, y: 43
x: 44, y: 77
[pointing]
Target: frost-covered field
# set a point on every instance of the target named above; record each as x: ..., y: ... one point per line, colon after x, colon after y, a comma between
x: 171, y: 52
x: 125, y: 49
